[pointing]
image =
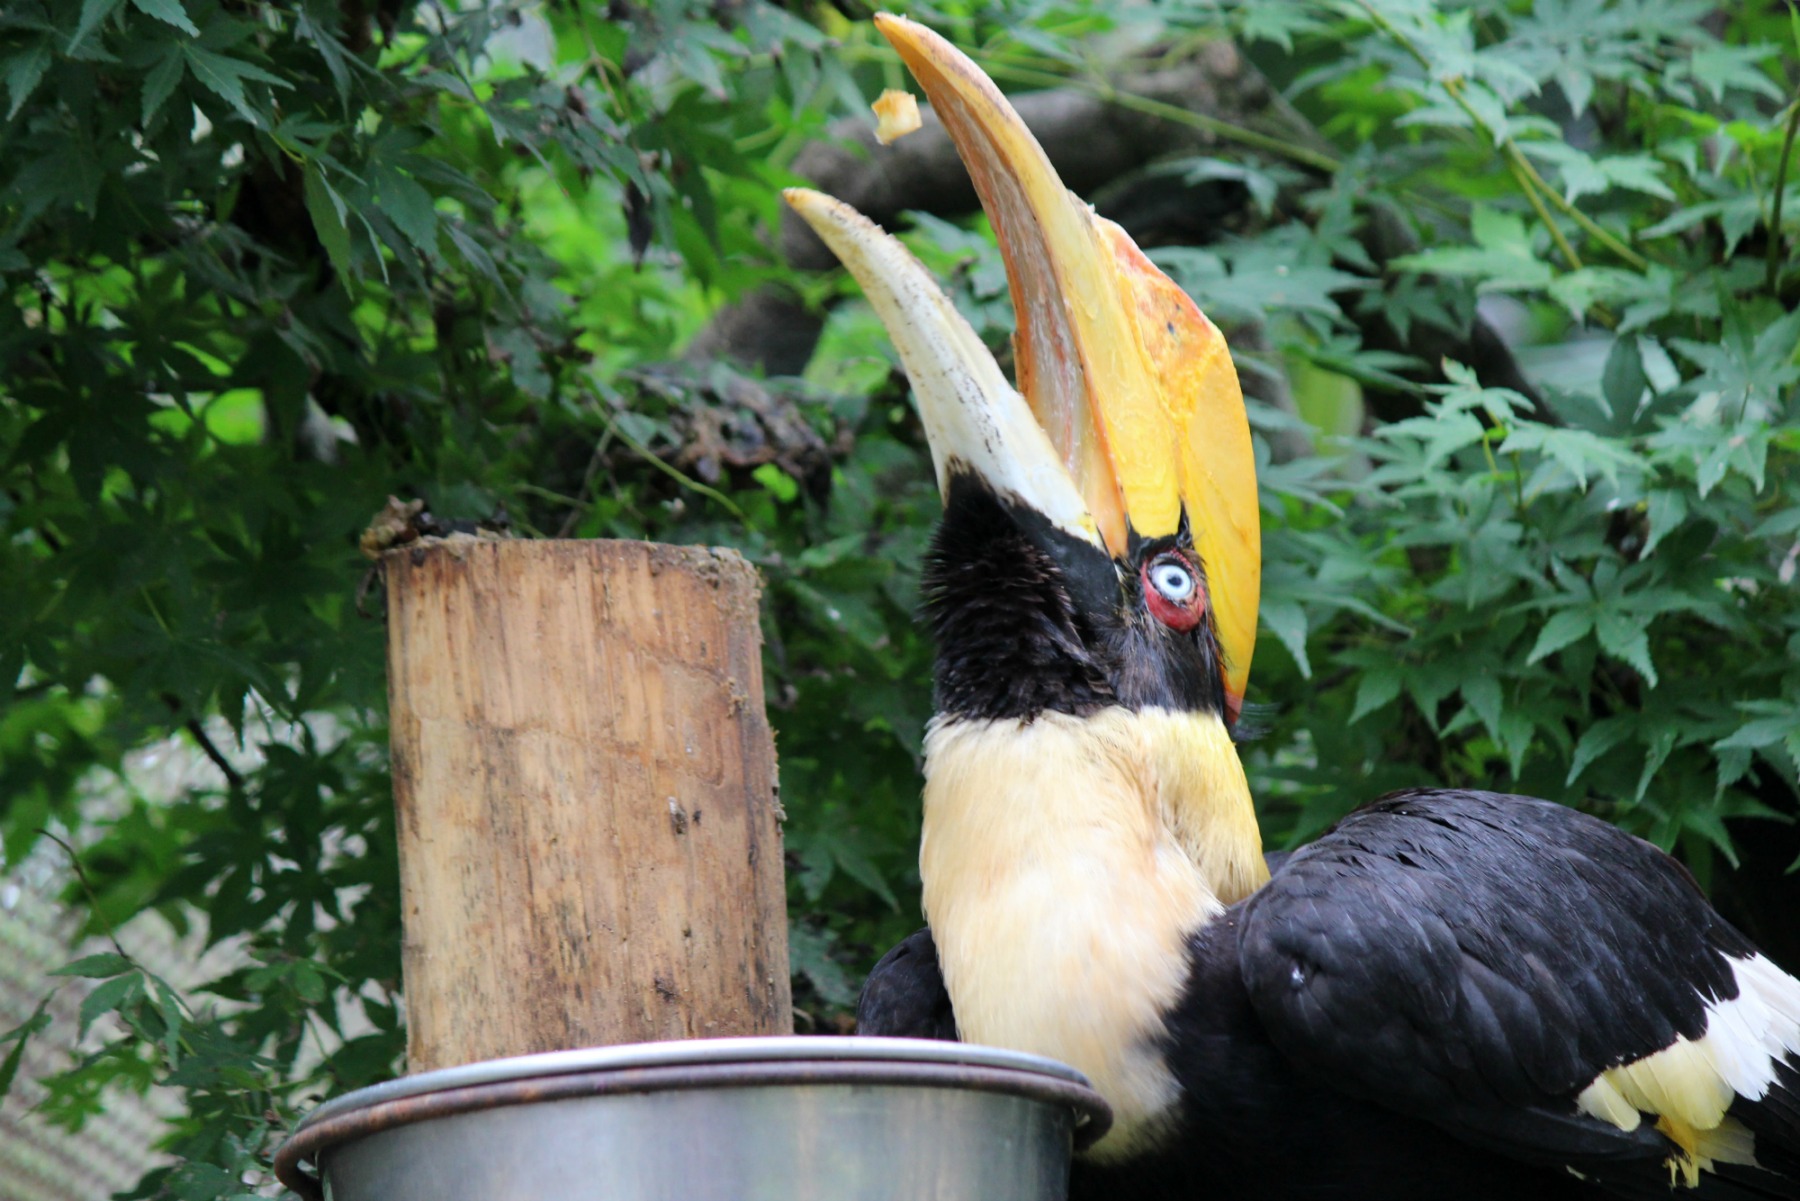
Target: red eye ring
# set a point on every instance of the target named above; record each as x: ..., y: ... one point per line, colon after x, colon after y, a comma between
x: 1172, y: 590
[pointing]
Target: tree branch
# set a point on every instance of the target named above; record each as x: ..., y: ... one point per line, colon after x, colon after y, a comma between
x: 197, y: 732
x: 93, y: 898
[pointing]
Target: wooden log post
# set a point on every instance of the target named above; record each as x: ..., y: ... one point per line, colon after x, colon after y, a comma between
x: 585, y: 785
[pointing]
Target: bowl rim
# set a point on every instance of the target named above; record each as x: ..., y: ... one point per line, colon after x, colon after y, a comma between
x: 694, y: 1053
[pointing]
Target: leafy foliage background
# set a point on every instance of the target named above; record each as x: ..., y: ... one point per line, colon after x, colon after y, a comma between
x: 263, y: 264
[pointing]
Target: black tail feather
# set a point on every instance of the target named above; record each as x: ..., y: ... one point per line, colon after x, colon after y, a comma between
x: 1775, y: 1121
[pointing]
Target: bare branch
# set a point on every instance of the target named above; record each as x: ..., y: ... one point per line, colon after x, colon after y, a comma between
x: 198, y: 732
x: 93, y: 898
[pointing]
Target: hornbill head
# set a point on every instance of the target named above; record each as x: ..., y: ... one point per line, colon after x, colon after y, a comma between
x: 1100, y: 542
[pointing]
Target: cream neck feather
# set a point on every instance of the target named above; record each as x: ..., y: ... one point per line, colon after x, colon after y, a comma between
x: 1066, y: 861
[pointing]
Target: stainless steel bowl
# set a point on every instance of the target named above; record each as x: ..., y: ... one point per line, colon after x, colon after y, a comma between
x: 839, y: 1119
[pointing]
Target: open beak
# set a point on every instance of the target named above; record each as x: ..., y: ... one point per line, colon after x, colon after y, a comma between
x: 1131, y: 419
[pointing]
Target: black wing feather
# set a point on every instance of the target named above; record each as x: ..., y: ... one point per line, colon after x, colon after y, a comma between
x: 904, y: 996
x: 1476, y: 960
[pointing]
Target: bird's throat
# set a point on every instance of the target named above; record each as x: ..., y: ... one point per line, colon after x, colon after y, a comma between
x: 1066, y: 862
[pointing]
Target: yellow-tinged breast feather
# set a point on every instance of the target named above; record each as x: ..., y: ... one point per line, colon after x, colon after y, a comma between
x: 1066, y: 861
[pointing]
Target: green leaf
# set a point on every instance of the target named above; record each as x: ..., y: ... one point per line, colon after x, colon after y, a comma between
x: 327, y: 211
x: 1264, y: 187
x: 19, y: 1035
x: 697, y: 65
x: 110, y: 995
x: 1622, y: 380
x: 309, y: 985
x: 1579, y: 291
x: 1562, y: 629
x: 1517, y: 733
x: 1720, y: 68
x: 1708, y: 825
x: 1377, y: 689
x: 1438, y: 437
x: 160, y: 81
x: 23, y: 71
x: 1577, y: 88
x: 779, y: 483
x: 1655, y: 755
x: 1734, y: 765
x: 1763, y: 732
x: 1502, y: 259
x: 225, y: 77
x: 199, y: 1181
x: 409, y: 207
x: 169, y: 11
x: 93, y: 12
x: 106, y: 963
x: 1578, y: 452
x: 1277, y: 23
x: 1265, y: 276
x: 850, y: 613
x: 859, y: 867
x: 1287, y: 621
x: 168, y: 1005
x: 1667, y: 510
x: 1638, y: 172
x: 1581, y: 176
x: 1623, y: 635
x: 1482, y: 691
x: 1584, y: 175
x: 1429, y: 683
x: 1594, y: 742
x: 337, y: 58
x: 810, y: 952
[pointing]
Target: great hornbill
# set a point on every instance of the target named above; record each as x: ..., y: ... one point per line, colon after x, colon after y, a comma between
x: 1449, y: 994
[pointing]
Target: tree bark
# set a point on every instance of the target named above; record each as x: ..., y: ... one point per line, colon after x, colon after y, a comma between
x: 585, y: 785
